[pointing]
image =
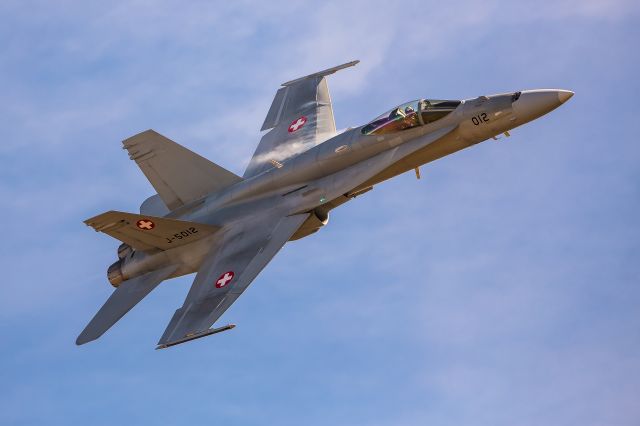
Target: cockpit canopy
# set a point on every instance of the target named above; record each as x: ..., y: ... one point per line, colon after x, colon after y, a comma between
x: 410, y: 115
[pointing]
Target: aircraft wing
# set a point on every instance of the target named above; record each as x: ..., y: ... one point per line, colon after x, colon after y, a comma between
x: 300, y: 117
x: 231, y: 265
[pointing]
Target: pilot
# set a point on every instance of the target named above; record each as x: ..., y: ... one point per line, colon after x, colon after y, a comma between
x: 396, y: 114
x: 410, y: 119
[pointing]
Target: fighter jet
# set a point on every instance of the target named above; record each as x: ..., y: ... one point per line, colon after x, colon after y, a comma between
x: 226, y: 228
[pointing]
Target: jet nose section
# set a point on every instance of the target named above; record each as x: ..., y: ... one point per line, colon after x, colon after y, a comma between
x: 534, y: 103
x: 564, y: 95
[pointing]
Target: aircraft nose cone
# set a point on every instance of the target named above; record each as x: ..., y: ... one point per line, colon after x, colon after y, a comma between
x: 564, y: 95
x: 534, y: 103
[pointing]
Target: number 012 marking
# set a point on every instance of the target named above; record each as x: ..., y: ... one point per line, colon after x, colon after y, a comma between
x: 480, y: 118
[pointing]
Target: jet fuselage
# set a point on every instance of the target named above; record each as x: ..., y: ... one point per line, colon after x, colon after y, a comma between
x: 339, y: 169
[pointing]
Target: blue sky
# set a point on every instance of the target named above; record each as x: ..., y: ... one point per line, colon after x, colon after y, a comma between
x: 501, y: 289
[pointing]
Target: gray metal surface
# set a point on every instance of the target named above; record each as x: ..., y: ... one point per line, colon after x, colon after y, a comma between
x: 244, y: 251
x: 154, y: 206
x: 306, y: 99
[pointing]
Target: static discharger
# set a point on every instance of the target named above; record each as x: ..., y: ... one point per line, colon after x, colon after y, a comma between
x: 417, y: 172
x: 197, y: 336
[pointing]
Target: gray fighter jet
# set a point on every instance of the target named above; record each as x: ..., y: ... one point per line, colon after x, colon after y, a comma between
x: 226, y: 228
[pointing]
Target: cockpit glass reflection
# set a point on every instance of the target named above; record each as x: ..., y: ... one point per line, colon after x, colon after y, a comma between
x: 410, y: 115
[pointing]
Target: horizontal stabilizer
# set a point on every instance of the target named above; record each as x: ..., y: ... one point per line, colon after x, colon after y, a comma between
x: 149, y: 232
x: 121, y: 301
x: 177, y: 174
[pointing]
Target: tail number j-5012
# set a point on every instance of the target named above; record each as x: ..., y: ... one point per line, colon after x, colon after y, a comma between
x: 480, y: 118
x: 182, y: 234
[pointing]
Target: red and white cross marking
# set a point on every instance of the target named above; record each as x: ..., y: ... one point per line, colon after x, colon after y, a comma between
x: 145, y: 224
x: 297, y: 124
x: 224, y: 279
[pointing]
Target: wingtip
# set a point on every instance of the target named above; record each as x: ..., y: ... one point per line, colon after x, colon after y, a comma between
x: 82, y: 339
x: 165, y: 343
